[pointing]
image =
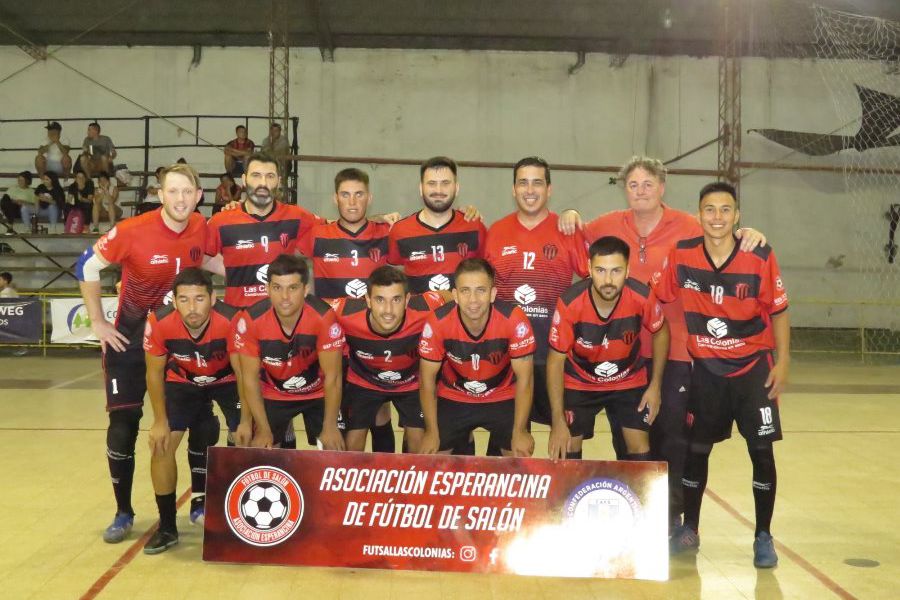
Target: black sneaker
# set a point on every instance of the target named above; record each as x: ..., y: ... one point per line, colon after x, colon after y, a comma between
x: 161, y: 541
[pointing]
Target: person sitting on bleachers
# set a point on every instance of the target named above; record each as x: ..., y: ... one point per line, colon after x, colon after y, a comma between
x: 81, y: 196
x: 227, y: 191
x: 53, y: 156
x: 6, y: 287
x: 19, y: 201
x: 151, y: 196
x: 51, y: 198
x: 237, y: 150
x: 98, y: 152
x: 106, y: 196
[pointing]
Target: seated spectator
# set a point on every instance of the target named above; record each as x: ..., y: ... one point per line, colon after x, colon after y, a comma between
x: 106, y: 196
x: 151, y: 199
x: 228, y: 191
x: 237, y: 151
x: 6, y: 287
x: 81, y: 197
x: 53, y: 156
x: 98, y: 152
x: 19, y: 201
x: 275, y: 144
x: 51, y: 198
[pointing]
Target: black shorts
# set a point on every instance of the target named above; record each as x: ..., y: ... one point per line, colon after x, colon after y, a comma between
x: 540, y: 404
x: 125, y: 374
x: 281, y: 412
x: 457, y: 420
x: 621, y: 406
x: 716, y: 402
x: 362, y: 404
x: 226, y: 396
x: 187, y: 405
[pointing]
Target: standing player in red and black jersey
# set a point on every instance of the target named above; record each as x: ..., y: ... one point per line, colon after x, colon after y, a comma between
x: 290, y: 348
x: 151, y: 248
x: 535, y: 263
x: 734, y: 306
x: 430, y: 243
x: 479, y: 349
x: 382, y: 335
x: 190, y: 362
x: 595, y: 359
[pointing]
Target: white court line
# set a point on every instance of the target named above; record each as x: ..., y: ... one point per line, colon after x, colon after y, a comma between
x: 71, y: 381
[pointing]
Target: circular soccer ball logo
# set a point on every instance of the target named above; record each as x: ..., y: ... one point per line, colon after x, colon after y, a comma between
x: 264, y: 506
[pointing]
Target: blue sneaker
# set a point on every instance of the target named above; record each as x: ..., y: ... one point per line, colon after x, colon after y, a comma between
x: 684, y: 539
x: 764, y: 556
x: 119, y: 528
x: 198, y: 510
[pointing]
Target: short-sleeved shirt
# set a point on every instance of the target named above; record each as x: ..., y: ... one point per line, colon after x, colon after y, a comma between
x: 430, y: 255
x: 647, y: 257
x: 22, y: 195
x: 728, y: 309
x: 102, y: 145
x: 148, y: 269
x: 245, y: 144
x: 343, y: 260
x: 81, y: 195
x: 280, y: 147
x: 384, y: 362
x: 477, y: 368
x: 200, y: 361
x: 604, y: 353
x: 289, y: 361
x: 248, y: 243
x: 533, y: 267
x: 54, y: 151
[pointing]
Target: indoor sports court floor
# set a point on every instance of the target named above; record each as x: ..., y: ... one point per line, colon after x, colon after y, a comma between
x: 836, y: 518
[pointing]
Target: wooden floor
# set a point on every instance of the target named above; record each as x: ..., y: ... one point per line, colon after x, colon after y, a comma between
x: 836, y: 517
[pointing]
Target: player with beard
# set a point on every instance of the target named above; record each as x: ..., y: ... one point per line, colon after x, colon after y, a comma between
x: 535, y: 263
x: 152, y: 249
x: 479, y: 350
x: 430, y: 243
x: 651, y: 228
x: 290, y: 347
x: 190, y: 363
x: 382, y: 332
x: 595, y: 360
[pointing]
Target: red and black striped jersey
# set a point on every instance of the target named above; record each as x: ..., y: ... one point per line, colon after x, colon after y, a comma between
x: 429, y: 256
x: 343, y: 260
x: 604, y: 353
x: 727, y: 309
x: 533, y: 267
x: 289, y: 362
x: 200, y: 361
x: 151, y: 255
x: 248, y: 243
x: 386, y: 363
x: 476, y: 368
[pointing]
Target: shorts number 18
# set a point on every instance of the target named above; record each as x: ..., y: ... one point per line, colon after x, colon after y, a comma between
x: 766, y: 414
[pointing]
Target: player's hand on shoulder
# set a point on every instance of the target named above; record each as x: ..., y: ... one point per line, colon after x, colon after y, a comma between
x: 109, y: 336
x: 331, y: 438
x: 389, y: 218
x: 751, y: 239
x: 158, y: 438
x: 570, y: 221
x: 233, y: 205
x: 522, y: 444
x: 558, y: 442
x: 471, y: 213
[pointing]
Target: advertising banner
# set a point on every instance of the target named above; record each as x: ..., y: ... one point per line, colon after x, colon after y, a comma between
x: 71, y: 323
x: 568, y: 518
x: 20, y: 320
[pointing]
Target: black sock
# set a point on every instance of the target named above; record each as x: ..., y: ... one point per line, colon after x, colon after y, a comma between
x: 696, y: 471
x: 197, y: 462
x: 201, y: 437
x: 493, y: 448
x: 166, y: 505
x: 574, y: 455
x: 764, y: 484
x: 638, y: 456
x: 383, y: 438
x: 121, y: 436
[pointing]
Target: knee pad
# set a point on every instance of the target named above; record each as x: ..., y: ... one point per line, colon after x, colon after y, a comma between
x: 204, y: 434
x: 122, y: 433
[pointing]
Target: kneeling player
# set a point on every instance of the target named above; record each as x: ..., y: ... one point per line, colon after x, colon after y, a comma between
x: 189, y: 364
x: 382, y: 332
x: 595, y: 357
x: 734, y: 305
x: 480, y: 350
x: 290, y: 349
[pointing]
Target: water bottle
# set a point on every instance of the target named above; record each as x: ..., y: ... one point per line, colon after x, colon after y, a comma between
x: 34, y: 222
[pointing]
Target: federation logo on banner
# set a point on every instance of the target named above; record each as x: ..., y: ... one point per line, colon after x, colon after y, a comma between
x: 71, y: 323
x: 264, y: 506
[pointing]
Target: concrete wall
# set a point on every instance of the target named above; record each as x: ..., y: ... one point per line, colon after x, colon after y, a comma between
x: 497, y: 106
